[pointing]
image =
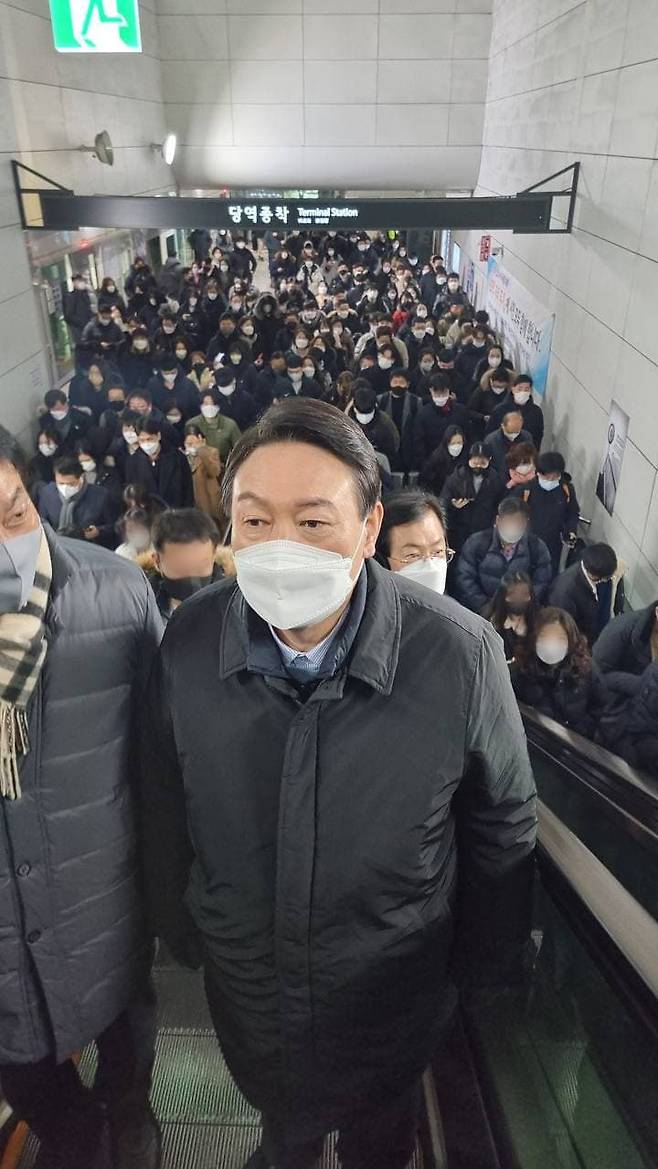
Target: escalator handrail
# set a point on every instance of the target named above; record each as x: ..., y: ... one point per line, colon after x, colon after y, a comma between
x: 629, y: 932
x: 634, y: 792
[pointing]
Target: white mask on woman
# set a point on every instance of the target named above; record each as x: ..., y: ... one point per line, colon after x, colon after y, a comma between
x: 551, y: 652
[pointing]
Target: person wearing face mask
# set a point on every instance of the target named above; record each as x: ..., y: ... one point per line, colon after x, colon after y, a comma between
x: 508, y: 547
x: 77, y: 308
x: 88, y: 386
x: 554, y: 673
x: 272, y: 381
x: 340, y: 665
x: 161, y: 471
x: 591, y: 590
x: 449, y: 456
x: 412, y: 540
x: 238, y: 360
x: 41, y: 468
x: 521, y: 468
x: 134, y: 531
x: 78, y: 630
x: 512, y: 612
x: 170, y: 388
x: 467, y: 360
x: 109, y: 294
x: 234, y: 401
x: 242, y: 261
x: 493, y: 361
x: 102, y: 335
x: 186, y: 557
x: 402, y: 407
x: 226, y: 335
x: 502, y: 440
x: 422, y: 373
x: 310, y: 275
x: 282, y: 266
x: 413, y: 335
x: 206, y: 471
x: 471, y: 495
x: 170, y: 278
x: 220, y: 432
x: 191, y: 323
x: 448, y: 295
x: 520, y: 398
x: 212, y: 310
x: 268, y: 322
x: 377, y: 426
x: 136, y: 359
x: 74, y: 507
x: 70, y: 423
x: 99, y: 467
x: 482, y: 403
x: 429, y: 282
x: 434, y: 418
x: 553, y: 505
x: 163, y: 336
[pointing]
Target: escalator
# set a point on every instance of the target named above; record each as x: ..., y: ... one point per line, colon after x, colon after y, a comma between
x: 560, y: 1073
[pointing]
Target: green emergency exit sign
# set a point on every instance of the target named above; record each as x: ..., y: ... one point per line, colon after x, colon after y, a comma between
x: 96, y: 26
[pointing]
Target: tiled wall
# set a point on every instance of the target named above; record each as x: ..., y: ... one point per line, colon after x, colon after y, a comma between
x: 337, y: 93
x: 51, y: 103
x: 575, y: 81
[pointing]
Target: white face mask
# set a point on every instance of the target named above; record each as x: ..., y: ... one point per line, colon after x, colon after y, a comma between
x: 384, y: 363
x: 521, y: 398
x: 510, y: 534
x: 440, y: 401
x: 548, y: 484
x: 427, y: 366
x: 130, y: 436
x: 58, y: 415
x: 48, y: 449
x: 364, y: 419
x: 236, y: 358
x: 455, y: 448
x: 169, y: 379
x: 67, y: 490
x: 498, y: 390
x: 140, y: 344
x: 88, y: 465
x: 149, y: 448
x: 512, y: 435
x: 431, y: 573
x: 227, y: 390
x: 494, y: 362
x: 210, y: 411
x: 551, y: 652
x: 291, y: 585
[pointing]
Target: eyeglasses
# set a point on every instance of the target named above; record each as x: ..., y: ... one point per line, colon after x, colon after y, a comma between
x: 445, y: 554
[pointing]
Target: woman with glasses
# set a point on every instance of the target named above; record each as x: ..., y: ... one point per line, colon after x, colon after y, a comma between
x: 413, y: 540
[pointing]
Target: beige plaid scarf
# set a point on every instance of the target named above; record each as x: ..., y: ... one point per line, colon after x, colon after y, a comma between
x: 22, y: 654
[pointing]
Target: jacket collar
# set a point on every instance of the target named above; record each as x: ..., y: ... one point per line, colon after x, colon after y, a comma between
x: 376, y: 647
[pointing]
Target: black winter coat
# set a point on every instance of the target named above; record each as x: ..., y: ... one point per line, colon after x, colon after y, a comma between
x: 329, y: 898
x: 533, y: 418
x: 94, y: 507
x: 553, y: 514
x: 74, y: 948
x: 572, y: 592
x: 430, y: 425
x: 183, y: 394
x: 77, y: 308
x: 623, y: 650
x: 481, y: 567
x: 576, y: 702
x: 411, y: 406
x: 499, y: 446
x: 636, y: 738
x: 169, y: 477
x: 480, y: 512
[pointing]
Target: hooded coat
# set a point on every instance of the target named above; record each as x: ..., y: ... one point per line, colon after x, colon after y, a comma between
x: 74, y: 944
x: 305, y: 845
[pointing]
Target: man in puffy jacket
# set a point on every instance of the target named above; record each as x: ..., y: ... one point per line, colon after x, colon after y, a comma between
x: 303, y: 800
x: 625, y: 648
x: 487, y: 556
x: 78, y: 631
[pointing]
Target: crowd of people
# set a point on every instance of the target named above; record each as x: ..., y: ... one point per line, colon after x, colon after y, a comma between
x: 171, y: 370
x: 276, y: 788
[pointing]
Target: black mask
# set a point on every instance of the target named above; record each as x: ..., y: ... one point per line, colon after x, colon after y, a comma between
x: 199, y: 367
x: 484, y: 471
x: 117, y: 406
x: 187, y: 586
x: 518, y: 608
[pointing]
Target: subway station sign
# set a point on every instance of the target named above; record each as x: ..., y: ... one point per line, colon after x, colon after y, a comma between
x: 96, y: 26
